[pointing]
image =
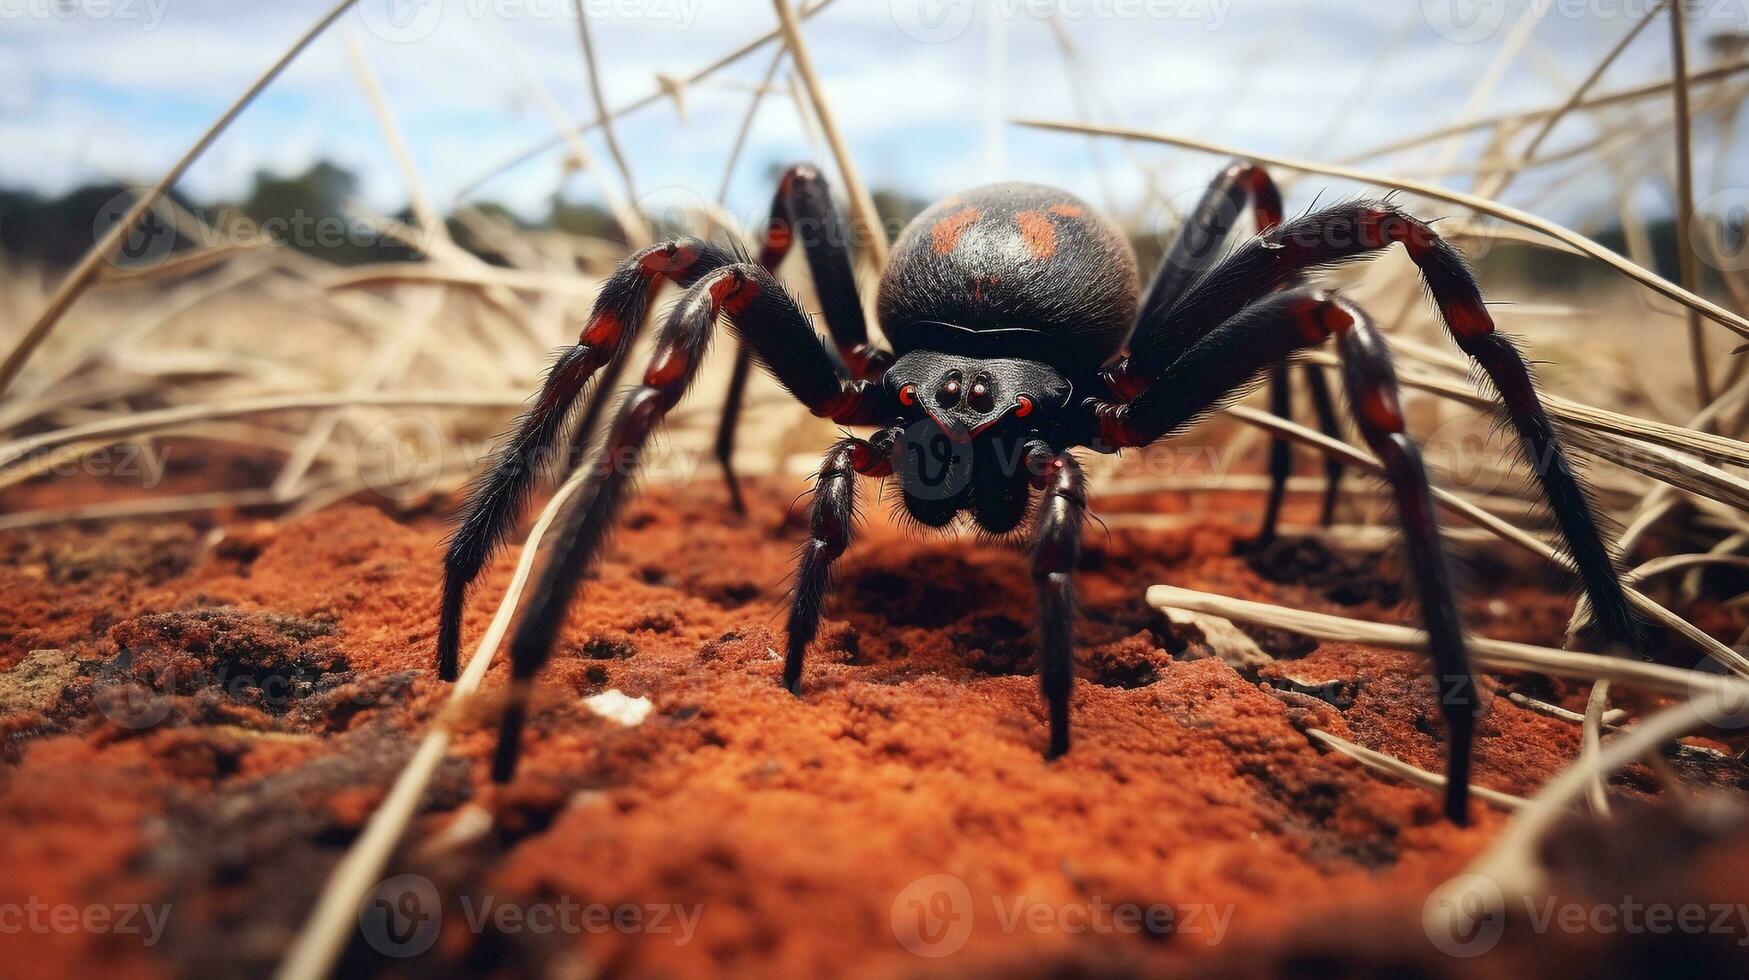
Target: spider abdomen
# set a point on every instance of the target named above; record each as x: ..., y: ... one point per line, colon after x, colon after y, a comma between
x: 1013, y: 257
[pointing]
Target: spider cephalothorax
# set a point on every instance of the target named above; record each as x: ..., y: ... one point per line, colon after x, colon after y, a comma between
x: 1017, y: 336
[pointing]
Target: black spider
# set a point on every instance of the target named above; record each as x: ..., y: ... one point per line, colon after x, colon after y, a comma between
x: 1014, y: 317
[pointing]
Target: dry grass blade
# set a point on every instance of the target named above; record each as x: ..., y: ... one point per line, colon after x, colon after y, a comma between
x: 163, y: 419
x: 473, y: 277
x: 1495, y: 187
x: 312, y: 954
x: 85, y: 272
x: 862, y: 206
x: 1616, y: 97
x: 633, y: 227
x: 1510, y: 866
x: 660, y: 93
x: 1505, y: 531
x: 1682, y: 438
x: 1687, y: 269
x: 601, y: 110
x: 151, y: 507
x: 1505, y: 212
x: 1393, y: 766
x: 1485, y: 653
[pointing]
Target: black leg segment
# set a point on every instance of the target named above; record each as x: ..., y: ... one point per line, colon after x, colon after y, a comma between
x: 1056, y: 550
x: 497, y: 497
x: 1356, y: 230
x: 832, y: 518
x: 802, y: 210
x: 766, y: 319
x: 1371, y: 383
x: 1226, y: 359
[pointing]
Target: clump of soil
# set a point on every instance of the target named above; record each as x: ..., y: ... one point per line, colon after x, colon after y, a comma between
x: 201, y: 717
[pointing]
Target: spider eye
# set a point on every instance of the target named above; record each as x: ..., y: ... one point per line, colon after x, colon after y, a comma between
x: 949, y: 394
x: 981, y: 399
x: 908, y: 395
x: 1022, y: 407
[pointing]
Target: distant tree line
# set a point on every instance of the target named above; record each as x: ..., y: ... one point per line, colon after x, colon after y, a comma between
x: 305, y: 211
x: 308, y: 212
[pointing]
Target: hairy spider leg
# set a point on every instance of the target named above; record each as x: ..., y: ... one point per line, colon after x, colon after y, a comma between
x: 1194, y: 250
x: 764, y: 317
x: 802, y: 209
x: 1055, y: 551
x: 831, y: 519
x: 497, y: 496
x: 1233, y: 354
x: 1359, y: 229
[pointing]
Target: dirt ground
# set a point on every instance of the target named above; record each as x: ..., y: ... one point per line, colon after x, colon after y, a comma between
x: 200, y: 714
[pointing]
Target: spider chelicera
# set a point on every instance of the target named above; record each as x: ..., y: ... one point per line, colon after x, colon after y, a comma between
x: 1019, y: 333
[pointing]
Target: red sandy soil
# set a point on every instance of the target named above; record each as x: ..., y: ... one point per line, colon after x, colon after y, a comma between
x: 232, y: 697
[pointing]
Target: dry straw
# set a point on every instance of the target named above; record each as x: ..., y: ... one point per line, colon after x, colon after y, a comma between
x: 475, y: 335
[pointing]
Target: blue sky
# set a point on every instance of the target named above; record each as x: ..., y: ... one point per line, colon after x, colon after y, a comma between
x: 116, y: 89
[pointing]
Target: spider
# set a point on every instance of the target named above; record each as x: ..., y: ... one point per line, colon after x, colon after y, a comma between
x: 1018, y: 334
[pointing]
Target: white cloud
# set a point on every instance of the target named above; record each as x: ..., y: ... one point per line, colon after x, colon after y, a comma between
x: 91, y: 97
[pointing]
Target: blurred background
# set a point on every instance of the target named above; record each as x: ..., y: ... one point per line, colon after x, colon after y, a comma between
x: 108, y: 93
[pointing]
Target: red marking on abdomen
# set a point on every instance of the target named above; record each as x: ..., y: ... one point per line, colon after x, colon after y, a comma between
x: 944, y: 235
x: 1040, y: 235
x: 1067, y: 210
